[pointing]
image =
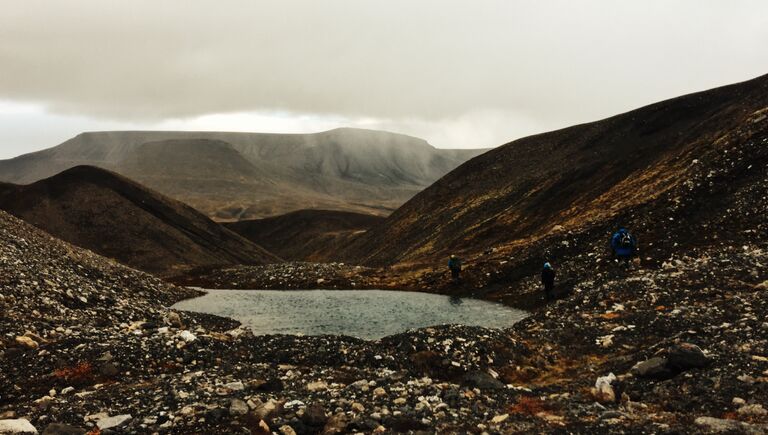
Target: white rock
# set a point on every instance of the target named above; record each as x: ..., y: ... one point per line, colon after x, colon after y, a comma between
x: 755, y: 409
x: 113, y: 422
x: 317, y: 386
x: 235, y: 386
x: 19, y: 425
x: 187, y: 336
x: 499, y: 418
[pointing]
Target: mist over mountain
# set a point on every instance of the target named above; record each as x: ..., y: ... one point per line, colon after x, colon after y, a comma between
x: 118, y: 218
x: 587, y: 177
x: 231, y: 176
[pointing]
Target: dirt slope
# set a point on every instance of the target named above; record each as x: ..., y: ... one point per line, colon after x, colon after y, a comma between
x: 117, y: 218
x: 566, y: 180
x: 306, y: 235
x: 232, y: 176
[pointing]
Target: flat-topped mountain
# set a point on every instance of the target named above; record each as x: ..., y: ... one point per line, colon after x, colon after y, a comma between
x: 231, y: 176
x: 118, y: 218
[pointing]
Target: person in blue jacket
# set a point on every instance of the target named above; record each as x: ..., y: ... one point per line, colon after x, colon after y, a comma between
x: 624, y: 245
x: 454, y: 264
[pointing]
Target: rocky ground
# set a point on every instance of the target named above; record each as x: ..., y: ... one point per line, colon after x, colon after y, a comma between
x: 677, y: 343
x: 89, y: 346
x: 281, y: 276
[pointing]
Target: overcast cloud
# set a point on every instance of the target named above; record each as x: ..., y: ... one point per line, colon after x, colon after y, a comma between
x: 473, y: 73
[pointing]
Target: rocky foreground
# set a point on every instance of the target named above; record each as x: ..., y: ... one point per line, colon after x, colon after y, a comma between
x: 89, y: 346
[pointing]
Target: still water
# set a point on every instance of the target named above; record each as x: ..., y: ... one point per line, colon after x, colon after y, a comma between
x: 367, y: 314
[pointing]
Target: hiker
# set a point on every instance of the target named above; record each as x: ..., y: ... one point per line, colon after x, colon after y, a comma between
x: 624, y: 245
x: 454, y: 264
x: 548, y: 279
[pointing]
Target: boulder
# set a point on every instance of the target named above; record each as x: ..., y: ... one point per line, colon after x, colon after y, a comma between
x: 317, y: 386
x: 336, y: 424
x: 655, y: 367
x: 238, y: 407
x: 114, y: 422
x: 17, y: 425
x: 603, y: 391
x: 686, y: 356
x: 109, y: 370
x: 27, y: 342
x: 481, y: 380
x: 314, y: 415
x: 752, y: 410
x: 63, y: 429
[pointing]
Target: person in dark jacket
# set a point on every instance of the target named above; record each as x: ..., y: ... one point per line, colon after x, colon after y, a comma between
x: 548, y: 279
x: 624, y: 245
x: 454, y: 264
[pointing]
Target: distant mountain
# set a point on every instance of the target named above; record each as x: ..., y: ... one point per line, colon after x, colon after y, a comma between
x: 587, y: 178
x: 231, y: 176
x: 305, y: 235
x: 118, y: 218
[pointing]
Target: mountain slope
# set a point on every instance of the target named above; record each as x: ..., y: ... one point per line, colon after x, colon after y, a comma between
x: 117, y: 218
x: 234, y: 176
x: 306, y: 235
x: 565, y: 180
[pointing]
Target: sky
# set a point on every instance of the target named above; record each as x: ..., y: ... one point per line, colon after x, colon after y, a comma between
x: 460, y: 74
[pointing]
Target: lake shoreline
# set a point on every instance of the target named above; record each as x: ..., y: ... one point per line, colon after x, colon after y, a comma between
x: 347, y: 312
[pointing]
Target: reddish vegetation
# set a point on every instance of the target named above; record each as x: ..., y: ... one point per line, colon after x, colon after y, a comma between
x: 81, y: 373
x: 528, y: 405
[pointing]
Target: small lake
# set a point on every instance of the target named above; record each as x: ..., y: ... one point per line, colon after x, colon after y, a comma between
x: 367, y: 314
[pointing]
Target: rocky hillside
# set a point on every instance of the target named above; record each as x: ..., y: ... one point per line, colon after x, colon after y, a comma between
x: 589, y: 177
x: 120, y: 219
x: 232, y: 176
x: 88, y: 345
x: 305, y: 235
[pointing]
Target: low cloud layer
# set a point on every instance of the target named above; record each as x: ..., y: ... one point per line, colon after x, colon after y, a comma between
x: 482, y: 69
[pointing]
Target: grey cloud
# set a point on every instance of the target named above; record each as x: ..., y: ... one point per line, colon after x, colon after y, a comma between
x: 553, y: 62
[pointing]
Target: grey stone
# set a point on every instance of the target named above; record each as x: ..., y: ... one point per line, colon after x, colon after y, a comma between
x: 481, y: 380
x: 655, y: 367
x: 721, y: 425
x: 114, y: 422
x: 238, y: 407
x: 314, y: 415
x: 63, y: 429
x: 686, y: 356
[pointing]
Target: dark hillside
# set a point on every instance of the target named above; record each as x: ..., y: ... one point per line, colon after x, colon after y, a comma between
x: 118, y: 218
x: 305, y: 235
x: 568, y: 180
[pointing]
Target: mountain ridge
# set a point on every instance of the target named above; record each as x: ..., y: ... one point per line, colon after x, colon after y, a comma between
x: 356, y: 170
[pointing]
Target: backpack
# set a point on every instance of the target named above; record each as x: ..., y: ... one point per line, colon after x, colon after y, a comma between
x: 626, y: 240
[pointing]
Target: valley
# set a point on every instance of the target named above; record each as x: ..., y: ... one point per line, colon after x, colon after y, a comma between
x: 672, y: 343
